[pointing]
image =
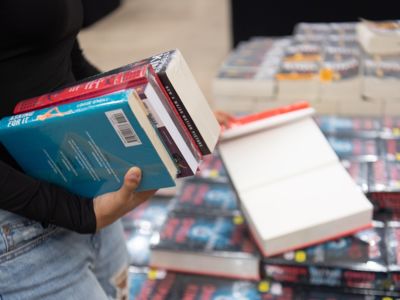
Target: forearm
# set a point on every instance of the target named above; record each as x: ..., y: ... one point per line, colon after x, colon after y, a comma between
x: 45, y: 202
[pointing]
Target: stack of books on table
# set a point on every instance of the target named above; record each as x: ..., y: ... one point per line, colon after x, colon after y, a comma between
x: 332, y: 65
x: 200, y: 223
x: 149, y: 114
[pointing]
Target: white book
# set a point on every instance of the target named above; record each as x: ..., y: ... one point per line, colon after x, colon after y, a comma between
x: 293, y: 190
x: 381, y: 37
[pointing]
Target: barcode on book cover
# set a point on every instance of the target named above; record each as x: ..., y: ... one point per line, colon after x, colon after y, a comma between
x: 123, y: 128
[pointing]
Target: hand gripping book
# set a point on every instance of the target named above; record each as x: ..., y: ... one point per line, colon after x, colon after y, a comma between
x: 87, y: 146
x: 292, y: 189
x: 178, y: 83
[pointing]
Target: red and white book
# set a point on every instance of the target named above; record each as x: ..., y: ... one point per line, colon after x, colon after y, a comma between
x: 292, y: 188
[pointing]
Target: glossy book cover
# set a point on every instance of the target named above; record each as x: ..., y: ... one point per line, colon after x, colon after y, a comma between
x: 87, y: 146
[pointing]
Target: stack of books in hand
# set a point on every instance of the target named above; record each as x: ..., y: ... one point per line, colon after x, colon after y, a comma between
x: 149, y: 114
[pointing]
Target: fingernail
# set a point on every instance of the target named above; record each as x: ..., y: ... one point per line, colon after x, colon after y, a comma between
x: 134, y: 173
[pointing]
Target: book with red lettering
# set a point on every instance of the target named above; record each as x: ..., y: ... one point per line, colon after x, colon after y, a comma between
x: 173, y: 74
x: 219, y: 246
x: 357, y: 261
x: 171, y: 128
x: 293, y: 190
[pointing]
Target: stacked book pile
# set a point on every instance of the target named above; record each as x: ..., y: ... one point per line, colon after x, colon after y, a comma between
x: 197, y: 262
x: 336, y: 66
x: 196, y: 254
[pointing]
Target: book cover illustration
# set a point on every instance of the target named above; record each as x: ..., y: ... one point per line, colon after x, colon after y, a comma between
x: 85, y: 146
x: 339, y: 70
x: 138, y: 241
x: 349, y: 126
x: 393, y: 252
x: 357, y: 261
x: 206, y: 234
x: 354, y: 148
x: 150, y: 214
x: 206, y: 198
x: 298, y: 70
x: 382, y: 68
x: 146, y: 284
x: 212, y: 168
x: 391, y: 126
x: 390, y: 149
x: 302, y: 52
x: 358, y: 171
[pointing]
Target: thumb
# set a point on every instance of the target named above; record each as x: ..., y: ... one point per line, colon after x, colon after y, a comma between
x: 131, y: 181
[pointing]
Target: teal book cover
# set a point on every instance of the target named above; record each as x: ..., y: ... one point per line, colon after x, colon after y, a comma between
x: 86, y: 146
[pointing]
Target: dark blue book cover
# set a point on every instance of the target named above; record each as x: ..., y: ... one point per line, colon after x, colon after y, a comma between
x: 357, y: 261
x: 354, y: 148
x: 87, y: 146
x: 205, y: 233
x: 138, y: 241
x: 150, y: 214
x: 349, y: 126
x: 206, y: 198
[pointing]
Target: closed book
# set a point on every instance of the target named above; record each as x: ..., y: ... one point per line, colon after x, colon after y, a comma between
x: 379, y: 37
x: 206, y: 198
x: 292, y: 189
x: 142, y: 78
x: 357, y: 261
x: 178, y: 83
x: 219, y: 246
x: 87, y: 146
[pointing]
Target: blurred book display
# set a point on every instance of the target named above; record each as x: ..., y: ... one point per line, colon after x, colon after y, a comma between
x: 363, y: 265
x: 331, y: 65
x: 379, y: 37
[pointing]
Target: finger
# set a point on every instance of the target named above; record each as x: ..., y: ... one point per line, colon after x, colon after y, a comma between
x: 131, y: 181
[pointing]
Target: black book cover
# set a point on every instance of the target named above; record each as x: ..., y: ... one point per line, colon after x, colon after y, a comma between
x: 354, y: 147
x: 350, y: 126
x: 206, y: 198
x: 357, y: 261
x: 206, y: 234
x: 151, y: 213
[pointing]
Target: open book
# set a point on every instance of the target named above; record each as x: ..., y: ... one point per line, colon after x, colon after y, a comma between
x: 292, y: 188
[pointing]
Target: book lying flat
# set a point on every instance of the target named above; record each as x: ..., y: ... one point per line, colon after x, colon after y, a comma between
x: 87, y: 146
x: 292, y: 188
x: 200, y: 244
x: 379, y: 37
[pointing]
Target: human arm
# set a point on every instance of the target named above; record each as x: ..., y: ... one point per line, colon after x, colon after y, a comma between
x: 50, y: 204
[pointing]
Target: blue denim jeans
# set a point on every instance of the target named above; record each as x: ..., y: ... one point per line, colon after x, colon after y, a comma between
x: 54, y: 263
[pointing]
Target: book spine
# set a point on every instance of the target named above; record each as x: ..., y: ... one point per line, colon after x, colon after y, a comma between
x: 172, y: 111
x: 93, y: 88
x: 183, y: 113
x: 28, y: 119
x: 180, y: 162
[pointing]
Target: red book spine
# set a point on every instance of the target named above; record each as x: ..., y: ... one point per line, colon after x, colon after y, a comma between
x: 85, y: 90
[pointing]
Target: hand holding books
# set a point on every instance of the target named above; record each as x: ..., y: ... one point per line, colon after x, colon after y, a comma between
x: 110, y: 207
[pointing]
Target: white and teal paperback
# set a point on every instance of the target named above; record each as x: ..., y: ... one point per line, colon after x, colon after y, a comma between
x: 88, y: 146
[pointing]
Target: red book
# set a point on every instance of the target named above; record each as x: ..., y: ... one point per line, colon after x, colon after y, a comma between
x: 185, y: 153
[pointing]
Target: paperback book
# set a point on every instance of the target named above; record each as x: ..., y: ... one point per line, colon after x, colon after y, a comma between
x: 206, y: 198
x: 87, y: 146
x: 150, y: 214
x: 298, y: 171
x: 354, y: 126
x: 219, y: 246
x: 179, y: 86
x: 356, y: 261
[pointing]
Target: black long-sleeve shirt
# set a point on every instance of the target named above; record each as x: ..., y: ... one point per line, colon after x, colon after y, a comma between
x: 39, y: 53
